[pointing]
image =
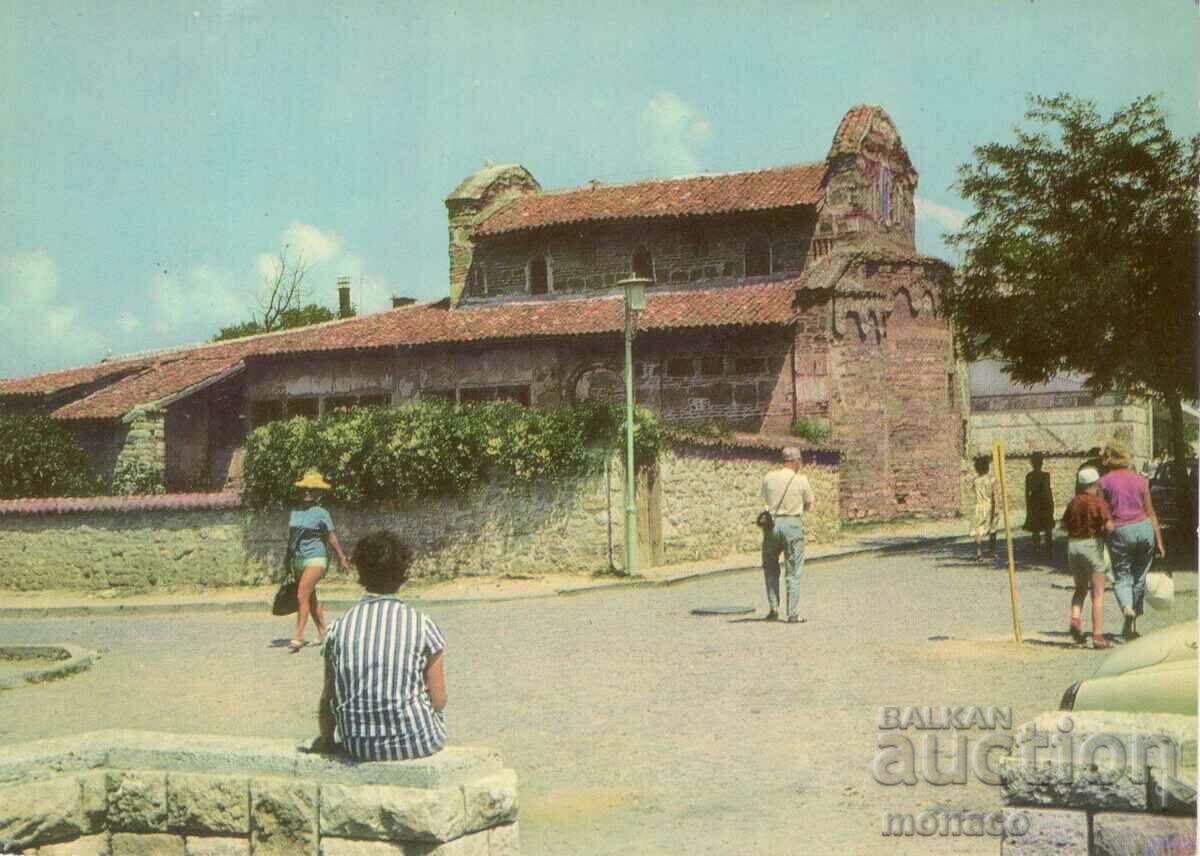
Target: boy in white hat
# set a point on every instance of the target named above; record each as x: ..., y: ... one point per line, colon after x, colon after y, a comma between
x: 1087, y: 521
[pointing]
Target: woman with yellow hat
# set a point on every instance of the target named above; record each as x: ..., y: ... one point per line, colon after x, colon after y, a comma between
x: 310, y: 529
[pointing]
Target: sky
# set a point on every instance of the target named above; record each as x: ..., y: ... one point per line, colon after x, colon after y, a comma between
x: 155, y: 158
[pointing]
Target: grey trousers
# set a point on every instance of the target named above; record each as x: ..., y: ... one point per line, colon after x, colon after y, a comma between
x: 786, y: 537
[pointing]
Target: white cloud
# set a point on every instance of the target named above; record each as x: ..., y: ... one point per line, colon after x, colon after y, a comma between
x: 310, y: 243
x: 947, y: 217
x: 672, y: 133
x: 368, y: 292
x: 40, y: 331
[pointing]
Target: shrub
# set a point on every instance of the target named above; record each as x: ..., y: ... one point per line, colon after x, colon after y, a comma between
x: 136, y: 478
x: 813, y: 430
x: 38, y: 457
x: 432, y: 448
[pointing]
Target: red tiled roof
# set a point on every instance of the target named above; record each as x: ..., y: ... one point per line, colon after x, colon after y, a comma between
x: 159, y: 380
x: 92, y: 504
x: 768, y: 300
x: 52, y: 382
x: 761, y: 190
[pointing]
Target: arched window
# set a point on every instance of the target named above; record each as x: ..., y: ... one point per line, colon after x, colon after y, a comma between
x: 758, y: 256
x: 643, y: 264
x: 537, y: 275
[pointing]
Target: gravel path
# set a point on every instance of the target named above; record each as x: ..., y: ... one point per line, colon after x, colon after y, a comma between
x: 634, y: 726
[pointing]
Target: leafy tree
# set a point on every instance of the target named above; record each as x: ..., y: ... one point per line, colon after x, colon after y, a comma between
x: 281, y: 302
x: 1081, y: 254
x: 38, y: 457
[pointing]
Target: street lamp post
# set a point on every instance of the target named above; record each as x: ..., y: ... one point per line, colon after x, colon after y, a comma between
x: 635, y: 302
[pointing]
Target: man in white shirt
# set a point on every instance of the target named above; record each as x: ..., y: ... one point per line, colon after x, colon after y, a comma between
x: 787, y: 495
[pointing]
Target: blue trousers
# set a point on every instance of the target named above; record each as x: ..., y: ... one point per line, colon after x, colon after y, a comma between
x: 1132, y: 551
x: 786, y: 537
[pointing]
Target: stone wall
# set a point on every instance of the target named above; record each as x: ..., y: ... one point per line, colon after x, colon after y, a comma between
x: 1027, y: 424
x: 710, y: 498
x: 129, y: 793
x: 592, y: 256
x: 145, y: 443
x: 1105, y: 793
x: 704, y: 505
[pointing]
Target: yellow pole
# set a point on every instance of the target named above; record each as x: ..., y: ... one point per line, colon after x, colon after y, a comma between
x: 998, y: 466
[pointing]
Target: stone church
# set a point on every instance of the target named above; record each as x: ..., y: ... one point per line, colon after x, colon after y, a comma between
x: 782, y: 298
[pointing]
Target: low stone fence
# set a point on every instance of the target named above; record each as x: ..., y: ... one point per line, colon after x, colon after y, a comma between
x: 1101, y: 784
x: 131, y: 793
x: 700, y: 504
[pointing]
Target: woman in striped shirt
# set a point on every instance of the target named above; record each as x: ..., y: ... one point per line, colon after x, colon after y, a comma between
x: 385, y: 687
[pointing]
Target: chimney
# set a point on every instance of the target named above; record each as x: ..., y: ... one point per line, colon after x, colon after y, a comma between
x: 345, y: 310
x: 397, y: 302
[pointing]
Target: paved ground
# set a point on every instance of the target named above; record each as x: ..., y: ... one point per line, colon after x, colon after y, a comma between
x: 636, y: 727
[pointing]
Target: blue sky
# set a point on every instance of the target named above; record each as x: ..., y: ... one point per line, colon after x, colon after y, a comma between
x: 155, y: 156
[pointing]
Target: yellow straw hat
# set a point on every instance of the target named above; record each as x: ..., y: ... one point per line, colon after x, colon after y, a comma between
x: 313, y: 480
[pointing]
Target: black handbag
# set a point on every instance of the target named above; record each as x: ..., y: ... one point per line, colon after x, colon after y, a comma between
x: 287, y: 600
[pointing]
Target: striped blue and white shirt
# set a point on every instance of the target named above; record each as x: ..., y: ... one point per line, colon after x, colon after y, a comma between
x: 378, y: 651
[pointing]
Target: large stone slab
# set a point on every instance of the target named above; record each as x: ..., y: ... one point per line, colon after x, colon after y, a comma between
x: 382, y: 812
x: 207, y: 803
x: 41, y: 759
x: 284, y: 816
x: 198, y: 752
x: 88, y: 845
x: 1094, y: 759
x: 205, y: 845
x: 490, y: 800
x: 137, y: 801
x: 46, y: 810
x: 453, y: 765
x: 1047, y: 832
x: 1125, y: 834
x: 146, y: 844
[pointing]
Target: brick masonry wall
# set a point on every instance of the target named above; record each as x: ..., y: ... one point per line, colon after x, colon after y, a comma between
x: 894, y: 405
x: 707, y: 506
x: 590, y: 257
x: 710, y: 499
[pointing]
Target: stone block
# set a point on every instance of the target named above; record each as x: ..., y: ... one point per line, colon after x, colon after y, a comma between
x: 453, y: 765
x: 216, y: 845
x: 376, y: 811
x: 208, y: 803
x: 93, y: 801
x: 1095, y: 759
x: 504, y: 840
x: 1046, y: 832
x: 20, y: 762
x: 331, y: 846
x: 87, y: 845
x: 475, y: 844
x: 152, y: 844
x: 137, y: 801
x: 1127, y: 834
x: 283, y: 817
x: 490, y: 800
x: 40, y: 811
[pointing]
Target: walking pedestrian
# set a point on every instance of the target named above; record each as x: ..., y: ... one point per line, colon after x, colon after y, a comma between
x: 310, y: 535
x: 985, y: 489
x: 1039, y: 505
x: 1088, y: 522
x: 1135, y: 536
x: 786, y: 496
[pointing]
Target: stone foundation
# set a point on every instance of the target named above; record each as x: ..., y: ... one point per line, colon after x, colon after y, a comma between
x: 1124, y: 784
x: 120, y: 793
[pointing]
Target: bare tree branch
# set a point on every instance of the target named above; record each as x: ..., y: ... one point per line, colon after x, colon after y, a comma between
x: 283, y: 290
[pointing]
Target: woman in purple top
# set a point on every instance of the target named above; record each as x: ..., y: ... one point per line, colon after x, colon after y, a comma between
x: 1135, y: 535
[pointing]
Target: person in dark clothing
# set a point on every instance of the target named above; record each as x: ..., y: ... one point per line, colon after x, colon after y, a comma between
x: 1039, y: 505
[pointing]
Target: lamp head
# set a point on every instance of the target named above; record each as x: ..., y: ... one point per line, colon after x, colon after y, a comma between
x: 635, y: 291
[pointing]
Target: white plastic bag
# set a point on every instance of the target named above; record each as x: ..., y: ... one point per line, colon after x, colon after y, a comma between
x: 1160, y: 590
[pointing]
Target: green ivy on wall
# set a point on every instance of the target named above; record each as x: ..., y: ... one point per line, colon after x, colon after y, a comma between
x: 432, y: 448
